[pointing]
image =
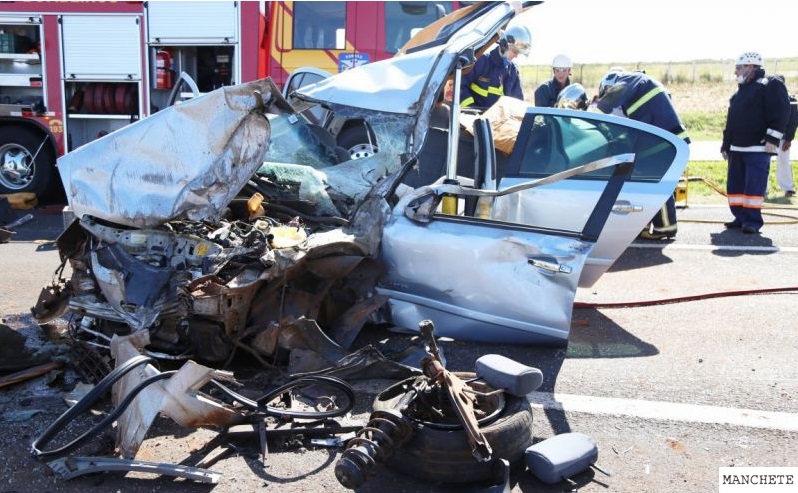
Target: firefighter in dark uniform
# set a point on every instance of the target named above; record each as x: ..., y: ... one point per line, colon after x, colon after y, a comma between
x: 755, y: 124
x: 642, y: 98
x: 547, y: 92
x: 495, y: 74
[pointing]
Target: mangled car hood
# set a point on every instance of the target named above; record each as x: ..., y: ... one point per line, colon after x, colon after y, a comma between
x: 188, y: 160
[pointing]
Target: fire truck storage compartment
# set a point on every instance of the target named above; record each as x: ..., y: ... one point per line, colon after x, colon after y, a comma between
x: 211, y: 67
x: 200, y: 39
x: 101, y: 47
x: 181, y: 23
x: 96, y: 108
x: 102, y: 70
x: 20, y: 62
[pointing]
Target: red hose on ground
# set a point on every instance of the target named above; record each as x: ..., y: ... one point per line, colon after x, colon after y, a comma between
x: 682, y: 299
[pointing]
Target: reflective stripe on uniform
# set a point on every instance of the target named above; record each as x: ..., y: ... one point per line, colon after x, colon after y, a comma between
x: 747, y: 149
x: 775, y: 133
x: 467, y: 101
x: 643, y: 100
x: 499, y: 91
x: 747, y: 201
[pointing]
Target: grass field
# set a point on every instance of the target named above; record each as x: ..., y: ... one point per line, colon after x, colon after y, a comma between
x: 700, y: 90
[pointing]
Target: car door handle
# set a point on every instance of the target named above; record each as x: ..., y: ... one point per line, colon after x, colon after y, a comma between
x: 625, y: 207
x: 550, y: 266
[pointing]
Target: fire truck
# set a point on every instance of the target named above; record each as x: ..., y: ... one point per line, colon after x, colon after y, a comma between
x: 72, y: 72
x: 336, y: 36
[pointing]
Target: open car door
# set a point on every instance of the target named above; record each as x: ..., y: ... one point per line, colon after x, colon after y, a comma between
x: 485, y: 279
x: 511, y: 276
x: 553, y: 140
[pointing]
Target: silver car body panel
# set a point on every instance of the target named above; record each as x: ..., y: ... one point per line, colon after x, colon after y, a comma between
x: 476, y: 279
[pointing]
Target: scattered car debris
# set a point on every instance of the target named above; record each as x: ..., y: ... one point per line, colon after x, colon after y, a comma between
x: 140, y: 393
x: 29, y: 373
x: 14, y: 353
x: 19, y: 222
x: 445, y: 427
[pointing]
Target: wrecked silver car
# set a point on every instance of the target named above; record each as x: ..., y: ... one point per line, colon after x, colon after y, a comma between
x: 231, y: 222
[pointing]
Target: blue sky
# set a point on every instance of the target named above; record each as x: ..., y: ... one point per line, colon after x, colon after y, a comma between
x: 626, y: 31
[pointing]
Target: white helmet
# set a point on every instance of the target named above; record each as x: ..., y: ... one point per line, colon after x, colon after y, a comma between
x: 609, y: 80
x: 750, y: 58
x: 561, y: 61
x: 517, y: 38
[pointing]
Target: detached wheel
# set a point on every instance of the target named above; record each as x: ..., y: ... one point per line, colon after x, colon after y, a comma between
x: 441, y: 453
x: 358, y: 141
x: 21, y: 169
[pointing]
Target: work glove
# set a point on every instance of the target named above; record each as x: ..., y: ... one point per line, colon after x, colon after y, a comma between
x: 771, y: 148
x: 725, y: 155
x: 785, y: 145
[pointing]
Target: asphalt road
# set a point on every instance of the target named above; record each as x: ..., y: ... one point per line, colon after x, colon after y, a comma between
x: 669, y: 391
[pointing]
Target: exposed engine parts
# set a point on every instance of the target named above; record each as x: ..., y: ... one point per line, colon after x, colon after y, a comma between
x: 204, y: 291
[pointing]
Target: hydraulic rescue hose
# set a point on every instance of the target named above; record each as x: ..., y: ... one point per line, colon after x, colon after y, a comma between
x: 789, y: 219
x: 682, y: 299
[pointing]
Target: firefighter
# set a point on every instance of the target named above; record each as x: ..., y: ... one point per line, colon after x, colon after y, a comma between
x: 495, y: 74
x: 755, y: 125
x: 639, y: 97
x: 546, y: 93
x: 783, y: 167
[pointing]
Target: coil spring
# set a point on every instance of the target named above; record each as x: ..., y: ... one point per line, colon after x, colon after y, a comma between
x: 385, y: 432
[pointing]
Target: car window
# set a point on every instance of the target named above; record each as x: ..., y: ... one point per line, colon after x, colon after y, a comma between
x: 404, y: 19
x: 549, y: 144
x: 319, y: 25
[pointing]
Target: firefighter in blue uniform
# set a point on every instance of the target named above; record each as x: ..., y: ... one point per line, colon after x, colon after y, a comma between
x: 755, y: 124
x: 642, y: 98
x: 495, y: 74
x: 546, y: 94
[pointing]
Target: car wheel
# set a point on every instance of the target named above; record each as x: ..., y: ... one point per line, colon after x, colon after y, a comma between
x: 358, y: 142
x: 19, y: 170
x: 444, y: 455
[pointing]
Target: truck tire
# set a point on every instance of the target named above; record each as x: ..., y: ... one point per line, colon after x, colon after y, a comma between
x: 19, y: 171
x: 444, y: 455
x: 357, y: 141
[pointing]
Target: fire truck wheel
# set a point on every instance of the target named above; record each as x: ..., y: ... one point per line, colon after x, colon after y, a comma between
x: 444, y: 455
x: 21, y: 169
x: 358, y: 141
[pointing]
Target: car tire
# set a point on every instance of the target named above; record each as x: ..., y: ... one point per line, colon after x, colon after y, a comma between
x: 359, y: 142
x: 444, y: 455
x: 19, y: 172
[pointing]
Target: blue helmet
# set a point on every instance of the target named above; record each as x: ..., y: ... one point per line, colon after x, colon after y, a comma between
x: 609, y: 80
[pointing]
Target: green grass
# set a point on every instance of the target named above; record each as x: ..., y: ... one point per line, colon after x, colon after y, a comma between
x: 700, y: 89
x: 699, y: 192
x: 704, y: 126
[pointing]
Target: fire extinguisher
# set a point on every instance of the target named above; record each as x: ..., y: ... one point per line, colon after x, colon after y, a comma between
x: 163, y: 69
